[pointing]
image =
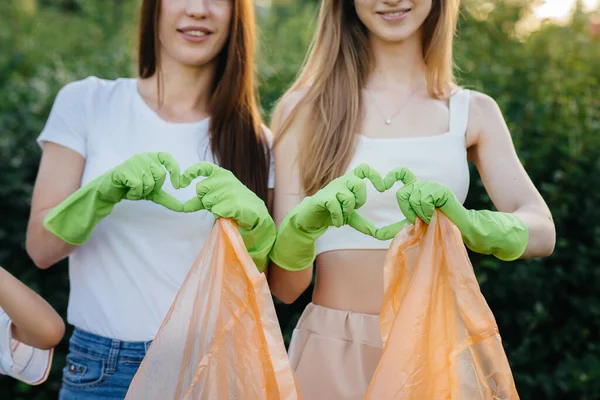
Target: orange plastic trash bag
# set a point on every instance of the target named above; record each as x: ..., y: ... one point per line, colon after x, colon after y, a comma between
x: 441, y: 338
x: 221, y: 337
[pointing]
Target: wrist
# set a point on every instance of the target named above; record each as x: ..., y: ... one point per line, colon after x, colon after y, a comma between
x: 294, y: 250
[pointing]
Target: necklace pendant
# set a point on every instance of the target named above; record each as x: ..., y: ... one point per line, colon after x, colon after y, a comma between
x: 388, y: 121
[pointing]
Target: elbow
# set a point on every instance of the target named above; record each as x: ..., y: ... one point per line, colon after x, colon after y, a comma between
x: 289, y: 293
x: 543, y: 243
x: 287, y: 297
x: 54, y: 334
x: 288, y: 286
x: 53, y: 337
x: 37, y: 256
x: 41, y: 262
x: 53, y: 331
x: 549, y: 244
x: 58, y: 333
x: 46, y: 335
x: 41, y: 248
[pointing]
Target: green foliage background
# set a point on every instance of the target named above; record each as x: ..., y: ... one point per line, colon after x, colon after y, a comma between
x: 547, y: 83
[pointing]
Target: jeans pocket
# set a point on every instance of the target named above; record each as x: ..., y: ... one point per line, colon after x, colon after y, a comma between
x: 83, y: 372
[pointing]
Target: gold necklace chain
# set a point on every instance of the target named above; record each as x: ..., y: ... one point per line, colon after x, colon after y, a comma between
x: 388, y: 121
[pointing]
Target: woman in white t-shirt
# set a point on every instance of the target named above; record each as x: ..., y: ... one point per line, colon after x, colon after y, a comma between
x: 194, y: 102
x: 29, y: 330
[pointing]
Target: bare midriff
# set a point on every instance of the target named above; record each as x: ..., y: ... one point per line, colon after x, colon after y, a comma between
x: 350, y: 280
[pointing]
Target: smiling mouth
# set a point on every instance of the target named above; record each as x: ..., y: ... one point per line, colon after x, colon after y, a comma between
x: 392, y: 14
x: 195, y: 33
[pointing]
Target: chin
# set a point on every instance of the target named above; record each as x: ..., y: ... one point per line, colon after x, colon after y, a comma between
x: 395, y: 37
x: 196, y: 60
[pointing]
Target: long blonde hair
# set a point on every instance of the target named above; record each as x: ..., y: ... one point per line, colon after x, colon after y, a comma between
x: 334, y: 72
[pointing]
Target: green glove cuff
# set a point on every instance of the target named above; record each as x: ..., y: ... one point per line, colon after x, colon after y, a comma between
x: 487, y: 232
x: 502, y: 235
x: 139, y: 178
x: 333, y: 205
x: 295, y: 249
x: 259, y: 241
x: 74, y: 219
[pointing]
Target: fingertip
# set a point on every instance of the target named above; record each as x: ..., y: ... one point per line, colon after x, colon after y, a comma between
x: 335, y: 211
x: 359, y: 170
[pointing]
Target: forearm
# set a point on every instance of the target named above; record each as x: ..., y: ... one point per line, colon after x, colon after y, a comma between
x: 292, y: 257
x: 542, y: 233
x: 286, y: 285
x: 45, y: 248
x: 508, y: 236
x: 35, y: 322
x: 54, y: 232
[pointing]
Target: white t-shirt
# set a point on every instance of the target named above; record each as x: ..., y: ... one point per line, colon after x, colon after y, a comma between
x: 124, y: 279
x: 25, y: 363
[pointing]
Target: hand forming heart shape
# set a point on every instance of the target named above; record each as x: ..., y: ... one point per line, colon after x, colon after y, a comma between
x: 355, y: 220
x: 361, y: 224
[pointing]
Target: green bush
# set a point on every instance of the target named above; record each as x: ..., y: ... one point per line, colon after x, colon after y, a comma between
x: 546, y: 83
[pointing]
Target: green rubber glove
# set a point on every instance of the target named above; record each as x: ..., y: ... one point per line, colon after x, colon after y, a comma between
x: 334, y: 205
x: 486, y: 232
x: 139, y: 178
x: 222, y: 194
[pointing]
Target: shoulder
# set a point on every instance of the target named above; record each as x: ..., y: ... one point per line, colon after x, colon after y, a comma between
x: 484, y: 112
x: 86, y: 85
x: 93, y: 88
x: 292, y: 99
x: 482, y: 105
x: 287, y: 104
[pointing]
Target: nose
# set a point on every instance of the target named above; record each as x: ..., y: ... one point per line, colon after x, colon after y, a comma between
x: 197, y: 8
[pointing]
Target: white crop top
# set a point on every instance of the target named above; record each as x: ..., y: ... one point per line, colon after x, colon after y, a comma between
x: 441, y: 158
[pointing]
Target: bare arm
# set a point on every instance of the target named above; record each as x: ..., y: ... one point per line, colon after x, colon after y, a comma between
x: 35, y: 322
x: 286, y: 285
x: 505, y: 180
x: 58, y: 177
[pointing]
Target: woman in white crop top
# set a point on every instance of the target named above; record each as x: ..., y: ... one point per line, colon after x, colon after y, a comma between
x: 195, y: 99
x: 377, y: 88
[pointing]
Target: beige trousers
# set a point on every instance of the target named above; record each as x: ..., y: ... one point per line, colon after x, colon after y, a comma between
x: 334, y: 353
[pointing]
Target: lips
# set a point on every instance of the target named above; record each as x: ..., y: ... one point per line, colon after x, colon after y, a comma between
x: 195, y: 34
x: 394, y: 13
x: 195, y: 31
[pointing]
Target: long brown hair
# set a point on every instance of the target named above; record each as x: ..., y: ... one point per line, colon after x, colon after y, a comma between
x: 238, y: 140
x: 333, y: 75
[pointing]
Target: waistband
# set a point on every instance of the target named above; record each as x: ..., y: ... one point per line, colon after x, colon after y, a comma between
x: 341, y: 324
x: 107, y: 349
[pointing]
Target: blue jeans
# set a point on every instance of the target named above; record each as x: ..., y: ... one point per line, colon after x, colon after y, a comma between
x: 99, y: 367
